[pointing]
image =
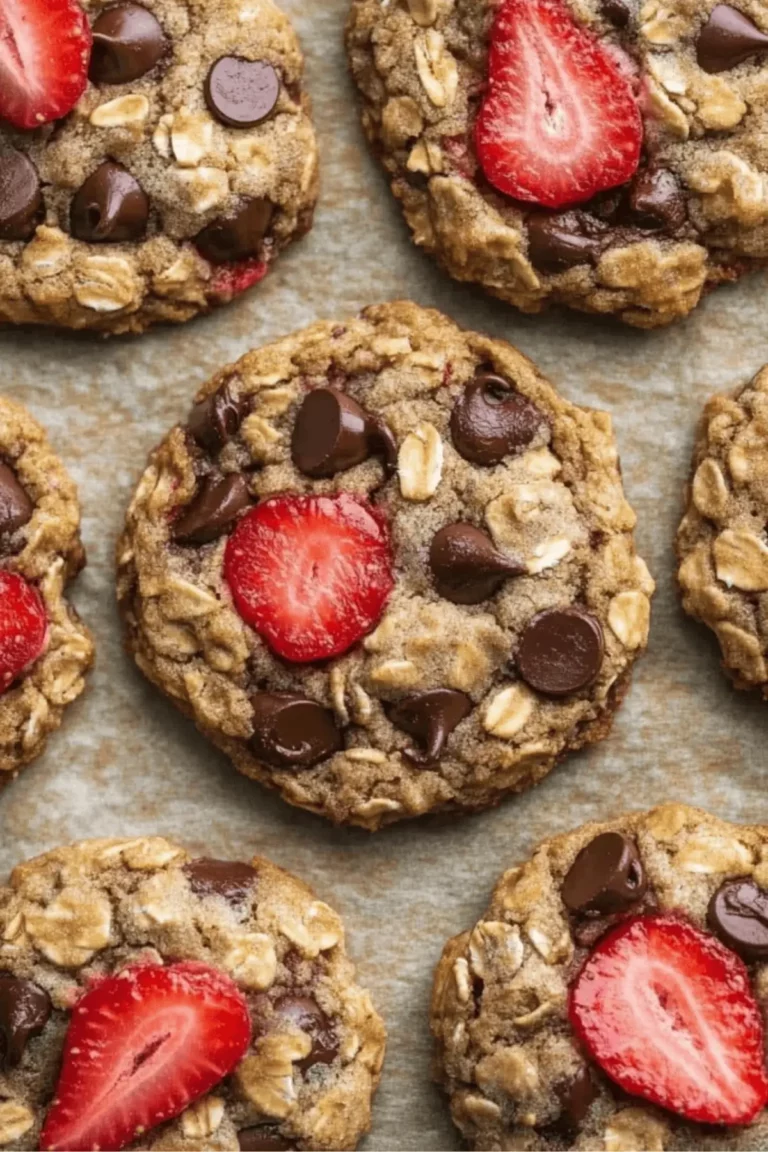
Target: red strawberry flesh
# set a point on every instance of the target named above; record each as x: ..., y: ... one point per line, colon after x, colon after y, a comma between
x: 560, y: 122
x: 141, y: 1047
x: 667, y: 1011
x: 23, y: 627
x: 45, y: 48
x: 231, y: 280
x: 312, y: 574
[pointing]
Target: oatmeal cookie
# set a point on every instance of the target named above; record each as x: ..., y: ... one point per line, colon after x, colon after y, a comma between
x: 721, y: 542
x: 387, y: 569
x: 608, y: 155
x: 241, y: 1024
x: 45, y: 650
x: 612, y: 995
x: 154, y: 158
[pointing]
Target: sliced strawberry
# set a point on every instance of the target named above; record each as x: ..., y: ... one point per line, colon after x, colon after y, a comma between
x: 23, y: 627
x: 230, y: 280
x: 141, y: 1047
x: 667, y: 1011
x: 45, y: 49
x: 559, y: 122
x: 310, y: 573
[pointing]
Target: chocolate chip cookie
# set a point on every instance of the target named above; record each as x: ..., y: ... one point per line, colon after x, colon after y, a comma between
x: 240, y: 1021
x: 45, y: 650
x: 613, y: 994
x: 607, y: 155
x: 721, y: 542
x: 154, y: 158
x: 387, y: 569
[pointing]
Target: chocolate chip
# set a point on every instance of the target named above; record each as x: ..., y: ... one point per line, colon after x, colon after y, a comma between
x: 656, y: 200
x: 291, y: 731
x: 214, y: 510
x: 563, y: 241
x: 738, y: 914
x: 24, y: 1012
x: 265, y: 1138
x: 127, y: 43
x: 306, y: 1015
x: 606, y: 876
x: 466, y: 565
x: 491, y: 420
x: 242, y: 93
x: 110, y: 207
x: 237, y: 236
x: 727, y: 39
x: 617, y: 11
x: 16, y: 508
x: 575, y: 1096
x: 333, y: 433
x: 21, y: 200
x: 430, y: 717
x: 214, y: 421
x: 560, y: 651
x: 230, y: 879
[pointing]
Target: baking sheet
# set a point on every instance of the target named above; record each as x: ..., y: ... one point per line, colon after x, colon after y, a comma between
x: 126, y: 763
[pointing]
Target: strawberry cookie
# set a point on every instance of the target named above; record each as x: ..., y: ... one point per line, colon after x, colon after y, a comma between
x: 608, y: 155
x: 45, y: 650
x: 613, y: 995
x: 154, y: 157
x: 149, y: 1000
x: 387, y: 569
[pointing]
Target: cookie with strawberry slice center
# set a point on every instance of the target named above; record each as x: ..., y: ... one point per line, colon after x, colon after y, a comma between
x: 613, y: 995
x: 387, y: 569
x: 151, y: 999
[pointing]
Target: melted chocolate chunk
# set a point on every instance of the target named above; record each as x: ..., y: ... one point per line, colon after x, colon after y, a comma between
x: 264, y: 1138
x: 656, y: 200
x: 242, y: 93
x: 237, y: 236
x: 738, y: 914
x: 466, y: 565
x: 430, y: 717
x: 24, y: 1011
x: 575, y: 1096
x: 618, y: 12
x: 21, y: 200
x: 490, y: 420
x: 561, y: 651
x: 214, y: 509
x: 333, y: 433
x: 16, y: 508
x: 230, y: 879
x: 291, y: 731
x: 563, y: 241
x: 214, y: 421
x: 727, y: 39
x: 127, y: 43
x: 111, y: 207
x: 306, y: 1015
x: 607, y: 876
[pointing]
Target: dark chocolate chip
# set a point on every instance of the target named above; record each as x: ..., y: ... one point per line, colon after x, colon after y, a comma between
x: 214, y: 509
x: 242, y: 93
x: 617, y: 11
x: 430, y: 717
x: 16, y: 508
x: 563, y: 241
x: 466, y: 565
x: 24, y: 1012
x: 265, y: 1138
x: 606, y: 876
x: 21, y: 200
x: 127, y: 43
x: 560, y: 651
x: 727, y: 39
x: 491, y: 420
x: 738, y: 914
x: 291, y: 731
x: 575, y: 1096
x: 230, y: 879
x: 110, y: 207
x: 306, y: 1015
x: 333, y: 433
x: 656, y: 200
x: 214, y: 421
x: 237, y: 236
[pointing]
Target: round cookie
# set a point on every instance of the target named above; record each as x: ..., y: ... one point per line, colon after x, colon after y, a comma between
x: 614, y: 988
x: 387, y: 569
x: 241, y: 1024
x: 628, y: 183
x: 186, y: 165
x: 45, y: 649
x: 721, y: 541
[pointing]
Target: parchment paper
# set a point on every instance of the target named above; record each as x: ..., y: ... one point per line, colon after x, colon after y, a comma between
x: 126, y: 763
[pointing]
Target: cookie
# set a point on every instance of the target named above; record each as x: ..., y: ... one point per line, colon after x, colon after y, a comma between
x: 606, y: 155
x: 45, y: 649
x: 721, y: 542
x: 240, y: 1021
x: 387, y: 569
x: 154, y: 158
x: 612, y: 996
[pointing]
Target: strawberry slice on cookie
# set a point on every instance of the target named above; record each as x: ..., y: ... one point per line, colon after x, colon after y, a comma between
x: 560, y: 122
x: 45, y: 49
x: 23, y: 627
